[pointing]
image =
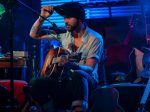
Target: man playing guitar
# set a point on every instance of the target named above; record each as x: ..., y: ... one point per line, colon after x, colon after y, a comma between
x: 74, y: 90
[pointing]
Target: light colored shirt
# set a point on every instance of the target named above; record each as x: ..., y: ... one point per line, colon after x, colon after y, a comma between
x: 91, y: 46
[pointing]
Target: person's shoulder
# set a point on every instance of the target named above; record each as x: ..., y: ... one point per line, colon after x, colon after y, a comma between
x: 66, y: 33
x: 94, y: 34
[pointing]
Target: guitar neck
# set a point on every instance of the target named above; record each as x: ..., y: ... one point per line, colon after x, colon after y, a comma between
x: 144, y: 98
x: 146, y: 93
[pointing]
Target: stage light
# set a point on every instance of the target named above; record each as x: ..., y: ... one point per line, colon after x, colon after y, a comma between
x: 2, y: 10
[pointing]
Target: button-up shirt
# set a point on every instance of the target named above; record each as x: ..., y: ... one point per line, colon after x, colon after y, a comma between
x: 91, y: 46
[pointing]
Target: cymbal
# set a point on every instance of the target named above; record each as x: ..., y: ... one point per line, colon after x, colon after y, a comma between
x: 2, y: 9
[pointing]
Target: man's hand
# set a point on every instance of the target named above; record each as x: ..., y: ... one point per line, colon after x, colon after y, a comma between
x: 72, y: 65
x: 63, y: 60
x: 46, y: 11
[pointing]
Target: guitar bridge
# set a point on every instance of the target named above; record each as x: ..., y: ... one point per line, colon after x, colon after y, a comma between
x: 56, y: 60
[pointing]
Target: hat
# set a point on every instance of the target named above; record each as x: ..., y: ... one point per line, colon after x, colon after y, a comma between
x: 71, y: 9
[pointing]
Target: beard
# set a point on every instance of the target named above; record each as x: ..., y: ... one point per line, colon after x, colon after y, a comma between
x: 73, y: 27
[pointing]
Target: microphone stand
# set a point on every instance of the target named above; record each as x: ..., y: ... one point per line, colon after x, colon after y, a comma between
x: 35, y: 12
x: 11, y: 33
x: 54, y: 26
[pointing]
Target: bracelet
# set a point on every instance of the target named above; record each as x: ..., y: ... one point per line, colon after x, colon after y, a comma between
x: 40, y: 19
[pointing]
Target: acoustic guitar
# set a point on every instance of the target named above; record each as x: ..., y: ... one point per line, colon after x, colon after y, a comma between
x: 55, y: 59
x: 105, y: 99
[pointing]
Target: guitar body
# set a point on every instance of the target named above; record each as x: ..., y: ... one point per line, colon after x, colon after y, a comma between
x: 105, y: 99
x: 55, y: 60
x: 49, y: 67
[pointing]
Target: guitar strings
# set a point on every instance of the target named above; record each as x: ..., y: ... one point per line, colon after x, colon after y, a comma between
x: 54, y: 64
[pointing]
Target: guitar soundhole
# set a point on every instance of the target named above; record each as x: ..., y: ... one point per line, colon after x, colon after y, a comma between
x: 59, y: 57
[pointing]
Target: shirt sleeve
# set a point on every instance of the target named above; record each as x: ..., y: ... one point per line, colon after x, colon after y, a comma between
x: 96, y: 49
x: 51, y: 37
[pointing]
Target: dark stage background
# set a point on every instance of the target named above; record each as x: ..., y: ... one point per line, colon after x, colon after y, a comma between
x: 121, y: 35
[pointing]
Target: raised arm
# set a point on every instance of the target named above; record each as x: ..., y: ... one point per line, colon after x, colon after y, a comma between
x: 35, y: 31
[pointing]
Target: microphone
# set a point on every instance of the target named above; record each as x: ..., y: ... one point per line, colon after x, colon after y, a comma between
x: 55, y: 28
x: 58, y: 30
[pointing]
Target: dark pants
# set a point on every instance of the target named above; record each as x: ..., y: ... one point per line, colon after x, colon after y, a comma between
x: 75, y: 87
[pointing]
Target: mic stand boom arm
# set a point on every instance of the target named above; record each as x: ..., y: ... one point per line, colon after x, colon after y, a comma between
x: 11, y: 33
x: 35, y: 12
